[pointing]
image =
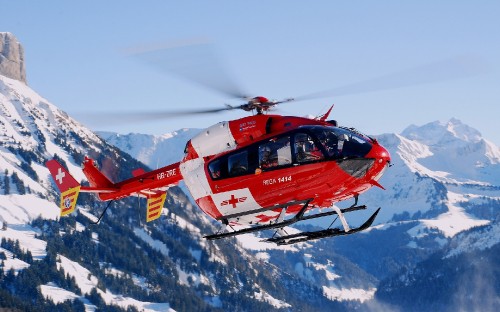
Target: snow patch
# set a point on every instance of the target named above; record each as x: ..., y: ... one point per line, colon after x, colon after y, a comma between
x: 154, y: 243
x: 22, y: 209
x: 86, y: 282
x: 263, y: 256
x: 456, y: 219
x: 265, y: 297
x: 187, y: 278
x: 196, y: 254
x: 345, y: 294
x: 27, y: 241
x: 79, y: 227
x: 57, y: 294
x: 86, y: 212
x: 252, y: 242
x: 12, y: 263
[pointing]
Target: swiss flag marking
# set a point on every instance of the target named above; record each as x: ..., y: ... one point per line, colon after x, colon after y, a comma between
x: 60, y: 175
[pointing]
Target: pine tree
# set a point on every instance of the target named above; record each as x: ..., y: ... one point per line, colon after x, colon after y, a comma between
x: 29, y: 257
x: 6, y: 182
x: 19, y: 184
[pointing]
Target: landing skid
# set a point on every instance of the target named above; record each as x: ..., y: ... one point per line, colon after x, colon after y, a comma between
x: 307, y: 236
x: 303, y: 236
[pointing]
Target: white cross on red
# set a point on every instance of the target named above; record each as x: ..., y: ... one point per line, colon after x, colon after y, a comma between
x: 60, y: 175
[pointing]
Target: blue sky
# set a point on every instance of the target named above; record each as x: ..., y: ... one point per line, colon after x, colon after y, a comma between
x: 75, y: 57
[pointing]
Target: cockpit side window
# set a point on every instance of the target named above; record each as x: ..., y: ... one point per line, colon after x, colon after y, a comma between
x: 305, y: 149
x: 275, y: 153
x: 331, y: 141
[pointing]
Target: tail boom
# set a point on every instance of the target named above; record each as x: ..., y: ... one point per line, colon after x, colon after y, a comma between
x: 161, y: 178
x: 152, y: 185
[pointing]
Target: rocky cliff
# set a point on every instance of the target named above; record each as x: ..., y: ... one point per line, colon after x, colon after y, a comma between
x: 11, y: 57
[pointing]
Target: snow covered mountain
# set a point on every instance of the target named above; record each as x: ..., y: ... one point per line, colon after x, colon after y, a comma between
x: 153, y: 150
x: 440, y: 210
x: 51, y: 263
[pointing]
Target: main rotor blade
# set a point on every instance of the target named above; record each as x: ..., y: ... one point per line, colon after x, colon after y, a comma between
x: 118, y: 118
x: 194, y: 61
x: 444, y: 70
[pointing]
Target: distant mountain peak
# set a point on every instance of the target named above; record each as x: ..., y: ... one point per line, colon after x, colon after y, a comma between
x: 439, y: 133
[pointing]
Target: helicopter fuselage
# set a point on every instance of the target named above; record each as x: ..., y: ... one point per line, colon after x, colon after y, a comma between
x: 238, y: 171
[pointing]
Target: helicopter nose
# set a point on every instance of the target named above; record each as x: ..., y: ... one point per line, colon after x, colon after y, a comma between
x: 379, y: 153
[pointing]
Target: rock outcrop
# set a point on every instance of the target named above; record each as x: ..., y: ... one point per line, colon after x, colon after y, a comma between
x: 11, y: 57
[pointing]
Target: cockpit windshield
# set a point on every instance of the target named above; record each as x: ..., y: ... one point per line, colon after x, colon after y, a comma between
x: 340, y: 142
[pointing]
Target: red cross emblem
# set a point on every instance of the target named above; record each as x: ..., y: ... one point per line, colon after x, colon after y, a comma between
x: 233, y: 201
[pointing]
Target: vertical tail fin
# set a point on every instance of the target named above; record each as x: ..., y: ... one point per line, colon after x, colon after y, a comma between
x: 96, y: 178
x: 66, y: 184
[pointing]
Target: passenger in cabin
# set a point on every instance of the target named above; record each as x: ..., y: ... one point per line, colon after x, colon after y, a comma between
x: 330, y: 142
x: 305, y: 149
x: 238, y: 168
x: 266, y: 159
x: 214, y: 168
x: 238, y: 163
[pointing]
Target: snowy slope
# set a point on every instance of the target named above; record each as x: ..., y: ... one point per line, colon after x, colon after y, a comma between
x: 22, y: 113
x: 87, y: 282
x: 32, y: 130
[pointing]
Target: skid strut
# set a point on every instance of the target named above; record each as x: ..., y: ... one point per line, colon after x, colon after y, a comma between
x: 297, y: 218
x: 307, y: 236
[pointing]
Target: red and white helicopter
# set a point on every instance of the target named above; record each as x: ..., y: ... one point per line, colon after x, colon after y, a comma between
x: 263, y: 171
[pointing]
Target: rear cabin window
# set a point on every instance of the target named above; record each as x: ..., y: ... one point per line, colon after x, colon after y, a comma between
x: 238, y: 164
